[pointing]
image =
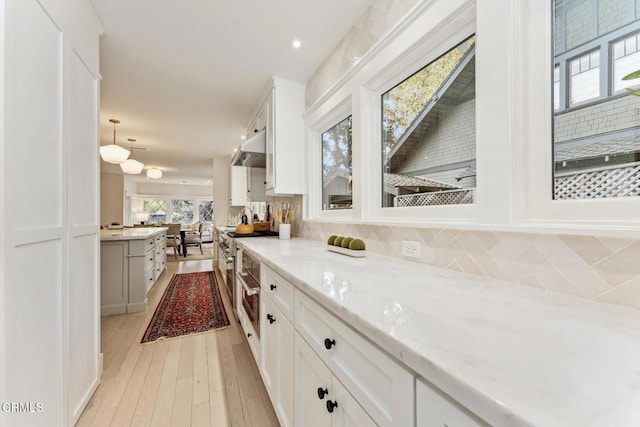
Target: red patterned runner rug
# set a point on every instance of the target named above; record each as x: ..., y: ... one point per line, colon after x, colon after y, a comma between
x: 191, y: 303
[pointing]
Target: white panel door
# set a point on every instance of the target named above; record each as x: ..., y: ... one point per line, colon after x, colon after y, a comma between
x: 48, y: 185
x: 84, y: 240
x: 34, y: 226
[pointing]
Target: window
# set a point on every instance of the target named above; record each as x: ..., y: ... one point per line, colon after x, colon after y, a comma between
x: 626, y: 59
x: 155, y: 209
x: 428, y: 133
x: 556, y: 88
x: 585, y: 77
x: 182, y: 211
x: 336, y: 167
x: 205, y: 210
x: 596, y: 147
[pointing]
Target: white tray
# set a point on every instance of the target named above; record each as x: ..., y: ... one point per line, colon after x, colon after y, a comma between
x: 345, y: 251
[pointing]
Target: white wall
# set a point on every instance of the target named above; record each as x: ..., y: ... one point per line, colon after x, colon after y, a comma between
x: 50, y: 236
x: 148, y: 189
x: 221, y: 189
x: 111, y: 198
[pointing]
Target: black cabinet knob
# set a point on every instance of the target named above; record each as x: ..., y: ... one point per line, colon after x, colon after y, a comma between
x: 322, y: 392
x: 272, y: 287
x: 270, y: 318
x: 329, y: 343
x: 331, y: 405
x: 249, y: 335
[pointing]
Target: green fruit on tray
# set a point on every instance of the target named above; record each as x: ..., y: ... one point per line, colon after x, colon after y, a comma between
x: 345, y: 242
x: 338, y: 241
x: 331, y: 239
x: 357, y: 245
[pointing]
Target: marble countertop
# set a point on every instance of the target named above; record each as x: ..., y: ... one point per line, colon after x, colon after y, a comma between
x: 139, y: 233
x: 512, y: 354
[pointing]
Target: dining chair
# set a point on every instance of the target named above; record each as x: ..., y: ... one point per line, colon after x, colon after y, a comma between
x: 173, y: 238
x: 195, y: 238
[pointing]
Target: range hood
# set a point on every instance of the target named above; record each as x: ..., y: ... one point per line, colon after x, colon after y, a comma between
x: 251, y: 152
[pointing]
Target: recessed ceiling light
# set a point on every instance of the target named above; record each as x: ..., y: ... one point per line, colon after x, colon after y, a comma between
x: 243, y: 137
x: 296, y: 43
x: 235, y: 149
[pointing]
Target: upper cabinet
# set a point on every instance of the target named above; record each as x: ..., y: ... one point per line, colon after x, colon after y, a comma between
x: 283, y: 110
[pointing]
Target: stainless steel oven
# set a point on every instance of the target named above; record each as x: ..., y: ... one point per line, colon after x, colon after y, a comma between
x: 226, y: 264
x: 248, y: 276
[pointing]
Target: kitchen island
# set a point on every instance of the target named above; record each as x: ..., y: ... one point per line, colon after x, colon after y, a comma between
x: 479, y: 351
x: 131, y: 260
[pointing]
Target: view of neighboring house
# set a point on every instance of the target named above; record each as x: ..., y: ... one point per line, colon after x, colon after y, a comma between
x: 429, y: 133
x: 596, y: 121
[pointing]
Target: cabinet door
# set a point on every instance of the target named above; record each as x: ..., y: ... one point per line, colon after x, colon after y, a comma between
x: 277, y: 362
x: 238, y: 183
x: 311, y: 375
x: 269, y: 106
x: 434, y: 409
x: 347, y: 413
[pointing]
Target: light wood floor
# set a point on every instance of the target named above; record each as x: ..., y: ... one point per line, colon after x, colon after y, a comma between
x: 207, y: 379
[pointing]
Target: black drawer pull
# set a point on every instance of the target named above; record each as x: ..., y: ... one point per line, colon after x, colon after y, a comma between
x: 270, y: 318
x: 272, y: 287
x: 249, y: 335
x: 331, y: 405
x: 322, y: 392
x: 329, y: 343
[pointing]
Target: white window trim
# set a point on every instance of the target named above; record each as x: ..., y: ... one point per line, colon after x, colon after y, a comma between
x: 514, y: 107
x: 316, y: 126
x: 615, y: 215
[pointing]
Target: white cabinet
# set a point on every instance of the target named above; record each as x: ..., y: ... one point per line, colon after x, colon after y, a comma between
x: 277, y: 366
x: 435, y: 409
x: 284, y: 108
x: 381, y: 386
x: 238, y: 186
x: 246, y: 184
x: 321, y: 399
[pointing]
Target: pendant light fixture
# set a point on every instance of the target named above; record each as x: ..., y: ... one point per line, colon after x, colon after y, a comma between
x: 113, y: 153
x: 154, y: 173
x: 131, y: 166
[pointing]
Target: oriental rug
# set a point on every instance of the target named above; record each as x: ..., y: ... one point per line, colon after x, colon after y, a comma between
x: 191, y: 303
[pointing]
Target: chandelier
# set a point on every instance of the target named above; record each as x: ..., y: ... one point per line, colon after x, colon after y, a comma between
x: 113, y: 153
x: 131, y: 166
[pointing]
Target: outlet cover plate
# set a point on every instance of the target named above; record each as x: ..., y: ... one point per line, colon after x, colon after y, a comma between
x: 410, y: 249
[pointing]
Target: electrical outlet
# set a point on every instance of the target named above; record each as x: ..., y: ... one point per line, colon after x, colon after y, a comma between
x: 410, y: 249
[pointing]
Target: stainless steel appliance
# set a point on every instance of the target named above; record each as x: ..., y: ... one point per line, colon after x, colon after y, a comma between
x: 226, y: 264
x: 248, y: 277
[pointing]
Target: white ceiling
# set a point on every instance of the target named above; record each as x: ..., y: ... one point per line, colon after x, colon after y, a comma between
x: 185, y: 77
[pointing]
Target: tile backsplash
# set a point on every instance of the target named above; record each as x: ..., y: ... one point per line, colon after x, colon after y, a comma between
x: 596, y: 268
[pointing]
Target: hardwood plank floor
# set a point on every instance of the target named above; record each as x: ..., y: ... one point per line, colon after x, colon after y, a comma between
x: 207, y: 379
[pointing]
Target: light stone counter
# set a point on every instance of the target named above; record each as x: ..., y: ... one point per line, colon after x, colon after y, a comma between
x: 139, y: 233
x: 512, y: 354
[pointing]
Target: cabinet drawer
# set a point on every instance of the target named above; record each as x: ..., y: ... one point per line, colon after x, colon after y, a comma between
x: 381, y: 386
x: 435, y: 408
x: 140, y: 247
x: 149, y: 279
x: 280, y: 291
x: 149, y: 260
x: 160, y: 238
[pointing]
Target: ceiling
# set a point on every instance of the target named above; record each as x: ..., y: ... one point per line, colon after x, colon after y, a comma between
x: 186, y: 77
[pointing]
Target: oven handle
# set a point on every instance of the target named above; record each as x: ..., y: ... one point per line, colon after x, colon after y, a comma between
x: 248, y: 290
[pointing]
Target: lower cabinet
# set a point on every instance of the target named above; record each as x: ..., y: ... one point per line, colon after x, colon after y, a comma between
x: 433, y: 408
x: 276, y: 363
x: 321, y: 400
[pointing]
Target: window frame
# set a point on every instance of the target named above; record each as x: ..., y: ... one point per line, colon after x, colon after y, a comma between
x: 514, y: 108
x: 537, y: 208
